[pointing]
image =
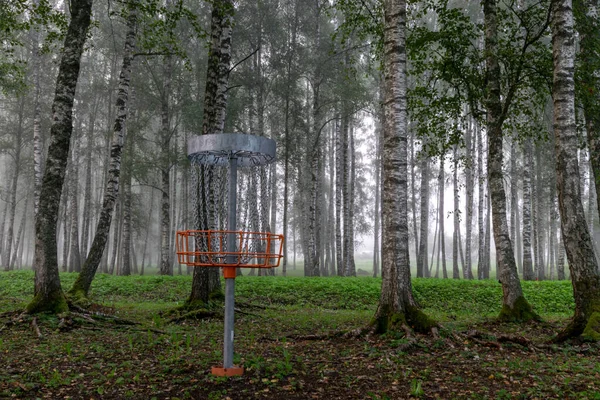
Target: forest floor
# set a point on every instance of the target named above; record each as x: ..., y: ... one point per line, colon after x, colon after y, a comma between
x: 288, y: 340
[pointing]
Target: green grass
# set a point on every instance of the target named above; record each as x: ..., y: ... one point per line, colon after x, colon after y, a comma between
x: 291, y: 347
x: 444, y: 298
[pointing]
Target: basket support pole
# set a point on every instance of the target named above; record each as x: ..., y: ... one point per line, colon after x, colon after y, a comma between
x: 229, y: 272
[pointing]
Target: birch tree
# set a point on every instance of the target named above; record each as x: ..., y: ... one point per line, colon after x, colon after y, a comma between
x: 48, y: 294
x: 397, y: 305
x: 514, y: 305
x: 577, y: 241
x: 206, y: 282
x: 81, y: 286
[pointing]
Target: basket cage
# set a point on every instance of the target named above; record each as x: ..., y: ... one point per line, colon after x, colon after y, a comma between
x: 209, y: 248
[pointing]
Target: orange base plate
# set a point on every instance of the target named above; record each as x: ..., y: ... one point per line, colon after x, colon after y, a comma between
x: 233, y: 371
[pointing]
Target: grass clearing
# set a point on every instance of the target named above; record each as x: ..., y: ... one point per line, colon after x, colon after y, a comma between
x: 288, y: 346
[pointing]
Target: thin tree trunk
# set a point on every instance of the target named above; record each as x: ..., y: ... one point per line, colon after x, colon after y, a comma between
x: 377, y: 208
x: 18, y: 253
x: 74, y: 253
x: 442, y: 217
x: 467, y: 267
x: 527, y: 260
x: 481, y: 207
x: 339, y: 185
x: 83, y: 282
x: 422, y: 270
x: 456, y: 216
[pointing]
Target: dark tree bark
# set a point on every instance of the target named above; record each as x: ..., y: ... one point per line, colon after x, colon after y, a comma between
x: 48, y: 295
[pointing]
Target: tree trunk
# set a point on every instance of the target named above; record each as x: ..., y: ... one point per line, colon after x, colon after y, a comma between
x: 339, y: 185
x: 48, y: 295
x: 442, y: 217
x: 377, y: 208
x: 514, y: 305
x: 396, y: 304
x: 87, y: 196
x: 12, y: 203
x: 82, y: 284
x: 577, y: 241
x: 349, y: 264
x: 456, y: 215
x: 125, y: 269
x: 467, y: 268
x: 481, y: 207
x: 206, y: 282
x: 18, y: 252
x: 527, y: 257
x: 74, y: 253
x: 422, y: 267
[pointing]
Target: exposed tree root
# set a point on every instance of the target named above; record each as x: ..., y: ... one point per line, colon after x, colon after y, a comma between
x: 196, y: 314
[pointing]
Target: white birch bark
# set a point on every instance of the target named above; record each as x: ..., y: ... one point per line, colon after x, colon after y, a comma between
x: 83, y: 282
x: 48, y: 292
x: 396, y: 289
x: 578, y: 244
x: 514, y: 305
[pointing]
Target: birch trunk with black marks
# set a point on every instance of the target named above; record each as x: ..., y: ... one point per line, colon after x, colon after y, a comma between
x: 514, y: 207
x: 481, y: 207
x: 12, y: 196
x: 87, y: 191
x: 377, y: 205
x: 442, y: 240
x: 48, y: 295
x: 527, y: 256
x: 165, y: 159
x: 339, y: 185
x: 578, y: 243
x: 397, y: 305
x: 37, y: 122
x: 81, y: 286
x: 588, y: 83
x: 469, y: 189
x: 422, y: 267
x: 74, y: 252
x: 514, y: 305
x: 17, y: 258
x: 349, y: 161
x: 456, y: 216
x: 206, y: 282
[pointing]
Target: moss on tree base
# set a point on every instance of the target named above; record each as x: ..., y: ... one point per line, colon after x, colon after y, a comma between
x: 521, y: 312
x: 54, y: 303
x: 413, y: 317
x: 591, y: 331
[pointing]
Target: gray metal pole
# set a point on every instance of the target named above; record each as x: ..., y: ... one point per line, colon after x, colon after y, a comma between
x: 230, y: 282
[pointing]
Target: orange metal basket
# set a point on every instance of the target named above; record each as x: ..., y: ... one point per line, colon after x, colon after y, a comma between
x: 208, y: 248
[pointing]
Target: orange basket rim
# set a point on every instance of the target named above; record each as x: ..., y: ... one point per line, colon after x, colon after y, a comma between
x: 218, y: 258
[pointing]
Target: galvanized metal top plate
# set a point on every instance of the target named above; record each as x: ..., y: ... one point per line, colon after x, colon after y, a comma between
x: 217, y: 149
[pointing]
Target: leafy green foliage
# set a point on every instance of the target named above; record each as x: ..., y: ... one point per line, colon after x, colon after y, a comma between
x: 449, y: 297
x: 447, y: 66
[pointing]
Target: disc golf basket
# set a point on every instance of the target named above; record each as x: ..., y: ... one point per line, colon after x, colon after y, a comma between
x: 218, y: 158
